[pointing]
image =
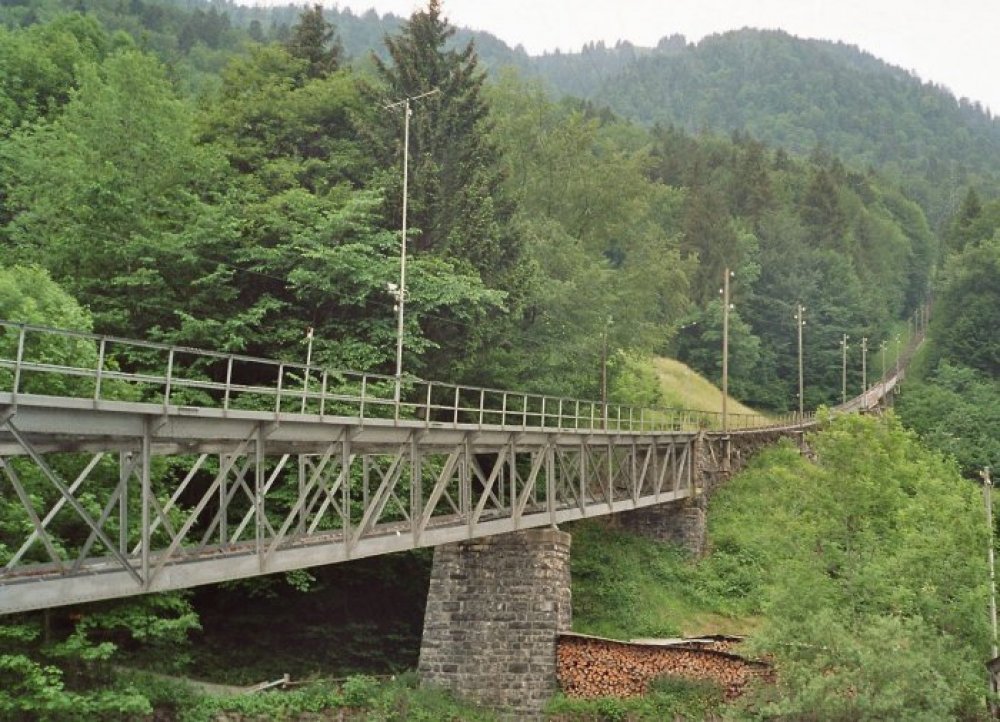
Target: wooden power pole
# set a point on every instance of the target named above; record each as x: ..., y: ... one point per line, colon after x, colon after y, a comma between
x: 987, y: 498
x: 725, y: 349
x: 843, y: 369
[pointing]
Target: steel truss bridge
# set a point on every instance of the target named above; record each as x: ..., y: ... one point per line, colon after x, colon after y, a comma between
x: 129, y: 467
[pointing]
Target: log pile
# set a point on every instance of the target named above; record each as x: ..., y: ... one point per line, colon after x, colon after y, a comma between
x: 591, y: 667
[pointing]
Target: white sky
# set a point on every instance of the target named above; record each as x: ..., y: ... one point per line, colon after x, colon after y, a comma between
x: 955, y: 43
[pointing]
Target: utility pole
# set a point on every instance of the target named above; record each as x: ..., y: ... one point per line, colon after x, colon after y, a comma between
x: 864, y: 365
x: 799, y: 323
x: 725, y: 347
x: 987, y: 498
x: 843, y: 368
x: 882, y: 347
x: 604, y: 372
x: 309, y: 355
x: 400, y: 291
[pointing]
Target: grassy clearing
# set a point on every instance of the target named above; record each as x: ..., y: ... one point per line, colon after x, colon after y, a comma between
x: 686, y: 389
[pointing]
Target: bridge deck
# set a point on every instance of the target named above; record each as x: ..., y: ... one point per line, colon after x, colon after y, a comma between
x: 223, y: 476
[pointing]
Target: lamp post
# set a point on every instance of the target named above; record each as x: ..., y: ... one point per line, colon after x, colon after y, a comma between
x: 400, y: 291
x: 882, y: 347
x: 309, y: 355
x: 604, y: 372
x: 864, y: 366
x: 843, y: 368
x: 799, y: 323
x: 725, y: 346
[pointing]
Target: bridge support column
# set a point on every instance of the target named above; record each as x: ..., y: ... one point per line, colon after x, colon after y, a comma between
x: 681, y: 523
x: 494, y: 611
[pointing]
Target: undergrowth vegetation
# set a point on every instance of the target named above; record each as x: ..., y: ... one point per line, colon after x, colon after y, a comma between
x: 667, y: 699
x: 861, y: 576
x: 359, y: 697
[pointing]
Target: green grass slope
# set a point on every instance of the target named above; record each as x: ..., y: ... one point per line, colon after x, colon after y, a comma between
x: 685, y: 388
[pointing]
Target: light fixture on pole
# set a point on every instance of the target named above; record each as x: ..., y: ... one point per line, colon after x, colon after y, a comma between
x: 400, y: 292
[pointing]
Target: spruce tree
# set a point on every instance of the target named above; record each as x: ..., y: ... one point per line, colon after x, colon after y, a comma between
x: 457, y: 207
x: 315, y: 41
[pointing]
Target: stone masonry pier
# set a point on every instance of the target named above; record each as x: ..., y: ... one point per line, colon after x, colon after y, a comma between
x: 495, y: 609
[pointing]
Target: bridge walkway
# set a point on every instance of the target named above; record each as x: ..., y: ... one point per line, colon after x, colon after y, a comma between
x: 136, y: 467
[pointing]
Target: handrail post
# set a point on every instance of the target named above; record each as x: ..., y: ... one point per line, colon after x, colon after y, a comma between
x: 100, y: 368
x: 229, y: 381
x: 482, y: 405
x: 524, y: 411
x: 170, y: 372
x: 277, y: 397
x: 427, y: 404
x: 503, y: 410
x: 454, y: 419
x: 19, y: 361
x: 322, y: 395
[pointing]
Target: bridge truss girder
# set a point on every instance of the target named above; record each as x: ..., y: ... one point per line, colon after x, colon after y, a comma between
x: 124, y: 499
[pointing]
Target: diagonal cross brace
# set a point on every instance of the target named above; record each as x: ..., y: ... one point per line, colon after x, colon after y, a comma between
x: 39, y: 532
x: 444, y: 478
x: 73, y: 502
x: 377, y: 504
x: 81, y: 477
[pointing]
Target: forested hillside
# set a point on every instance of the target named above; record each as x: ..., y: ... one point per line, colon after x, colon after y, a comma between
x: 788, y: 92
x: 803, y: 94
x: 237, y: 207
x: 954, y: 399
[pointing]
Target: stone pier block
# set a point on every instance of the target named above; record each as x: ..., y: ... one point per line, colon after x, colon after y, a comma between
x: 495, y: 609
x: 677, y: 522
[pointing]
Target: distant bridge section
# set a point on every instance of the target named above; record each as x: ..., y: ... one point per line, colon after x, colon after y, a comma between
x: 130, y: 467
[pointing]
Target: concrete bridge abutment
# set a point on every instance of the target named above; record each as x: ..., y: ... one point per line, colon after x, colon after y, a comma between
x: 495, y: 609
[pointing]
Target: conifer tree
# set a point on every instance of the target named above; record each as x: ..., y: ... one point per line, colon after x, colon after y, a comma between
x: 315, y: 40
x: 458, y: 210
x: 963, y: 226
x: 457, y: 205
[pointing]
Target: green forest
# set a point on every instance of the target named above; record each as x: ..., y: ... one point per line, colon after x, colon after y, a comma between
x: 224, y: 177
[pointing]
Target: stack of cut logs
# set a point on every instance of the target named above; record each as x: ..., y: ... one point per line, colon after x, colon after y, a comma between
x: 592, y: 667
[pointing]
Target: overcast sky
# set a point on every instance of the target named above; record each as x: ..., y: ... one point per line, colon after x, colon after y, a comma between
x: 955, y: 43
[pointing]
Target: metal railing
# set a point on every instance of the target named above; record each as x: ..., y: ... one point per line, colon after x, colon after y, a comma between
x: 54, y: 362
